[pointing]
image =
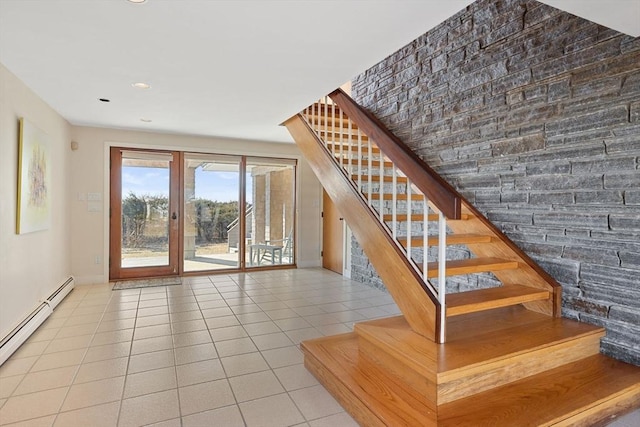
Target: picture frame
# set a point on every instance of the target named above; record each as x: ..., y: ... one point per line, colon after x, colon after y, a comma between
x: 33, y: 209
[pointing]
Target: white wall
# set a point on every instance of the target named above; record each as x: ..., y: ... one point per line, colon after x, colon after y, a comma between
x: 89, y: 234
x: 31, y: 265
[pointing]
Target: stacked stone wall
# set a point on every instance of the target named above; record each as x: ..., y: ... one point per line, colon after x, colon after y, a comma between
x: 533, y: 114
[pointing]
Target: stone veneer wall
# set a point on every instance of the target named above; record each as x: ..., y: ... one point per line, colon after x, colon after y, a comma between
x: 534, y: 115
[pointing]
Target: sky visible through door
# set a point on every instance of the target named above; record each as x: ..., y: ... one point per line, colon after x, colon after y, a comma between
x: 212, y: 185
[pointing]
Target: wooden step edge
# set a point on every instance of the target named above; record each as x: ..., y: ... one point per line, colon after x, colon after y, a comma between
x: 452, y: 239
x: 387, y: 196
x: 340, y: 121
x: 376, y: 178
x: 459, y: 366
x: 357, y: 385
x: 487, y: 299
x: 345, y: 135
x: 420, y: 217
x: 503, y: 369
x: 365, y: 163
x: 583, y: 392
x: 353, y: 148
x: 473, y: 265
x: 499, y: 335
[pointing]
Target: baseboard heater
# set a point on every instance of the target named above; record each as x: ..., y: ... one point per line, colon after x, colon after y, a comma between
x: 20, y: 333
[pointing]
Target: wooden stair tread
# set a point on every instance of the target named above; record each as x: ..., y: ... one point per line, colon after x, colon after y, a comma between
x: 394, y: 333
x: 452, y: 239
x: 365, y: 163
x: 376, y: 178
x: 320, y: 107
x: 337, y: 121
x: 420, y: 217
x: 568, y: 395
x: 388, y: 196
x: 370, y: 397
x: 472, y: 265
x: 350, y: 147
x: 345, y: 136
x: 486, y: 299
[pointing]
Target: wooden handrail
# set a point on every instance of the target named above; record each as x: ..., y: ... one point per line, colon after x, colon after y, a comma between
x: 440, y: 192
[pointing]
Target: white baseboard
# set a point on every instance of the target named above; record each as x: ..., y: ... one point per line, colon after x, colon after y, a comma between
x: 17, y: 336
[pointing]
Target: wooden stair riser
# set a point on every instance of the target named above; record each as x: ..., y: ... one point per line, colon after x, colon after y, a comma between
x: 371, y: 398
x: 500, y: 357
x: 582, y: 393
x: 358, y: 409
x: 423, y: 386
x: 476, y: 379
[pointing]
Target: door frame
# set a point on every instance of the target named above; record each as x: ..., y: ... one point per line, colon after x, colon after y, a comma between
x: 116, y: 271
x: 109, y: 145
x: 339, y: 227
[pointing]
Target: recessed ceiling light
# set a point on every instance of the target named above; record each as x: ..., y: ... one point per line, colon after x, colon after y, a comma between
x: 141, y: 85
x: 137, y: 1
x: 146, y: 120
x: 104, y: 100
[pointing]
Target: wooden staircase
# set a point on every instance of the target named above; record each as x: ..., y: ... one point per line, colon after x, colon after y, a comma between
x: 500, y: 356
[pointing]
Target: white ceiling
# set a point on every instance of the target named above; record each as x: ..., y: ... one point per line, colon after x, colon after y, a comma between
x: 231, y: 68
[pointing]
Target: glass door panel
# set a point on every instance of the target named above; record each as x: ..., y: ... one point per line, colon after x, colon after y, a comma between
x: 270, y: 199
x: 143, y: 213
x: 212, y: 226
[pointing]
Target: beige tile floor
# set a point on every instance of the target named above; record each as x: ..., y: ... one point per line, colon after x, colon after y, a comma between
x: 217, y: 351
x: 220, y: 350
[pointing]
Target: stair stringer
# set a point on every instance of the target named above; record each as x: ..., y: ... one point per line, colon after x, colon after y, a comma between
x: 418, y: 305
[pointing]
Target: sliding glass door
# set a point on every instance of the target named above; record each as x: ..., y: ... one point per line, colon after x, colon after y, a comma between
x: 211, y: 237
x: 270, y: 198
x: 175, y: 212
x: 144, y: 213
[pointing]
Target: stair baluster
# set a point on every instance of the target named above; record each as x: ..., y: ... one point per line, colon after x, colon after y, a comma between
x: 352, y: 139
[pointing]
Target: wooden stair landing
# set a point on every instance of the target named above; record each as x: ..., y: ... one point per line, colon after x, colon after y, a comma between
x: 525, y: 366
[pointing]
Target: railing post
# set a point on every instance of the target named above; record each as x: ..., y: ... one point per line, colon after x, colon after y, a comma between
x: 442, y: 268
x: 409, y: 233
x: 425, y: 242
x: 369, y: 182
x: 381, y: 158
x: 394, y: 199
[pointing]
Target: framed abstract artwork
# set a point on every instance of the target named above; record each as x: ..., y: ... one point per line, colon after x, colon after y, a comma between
x: 34, y: 180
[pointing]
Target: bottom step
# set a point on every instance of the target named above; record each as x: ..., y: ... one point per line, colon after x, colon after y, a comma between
x: 587, y: 392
